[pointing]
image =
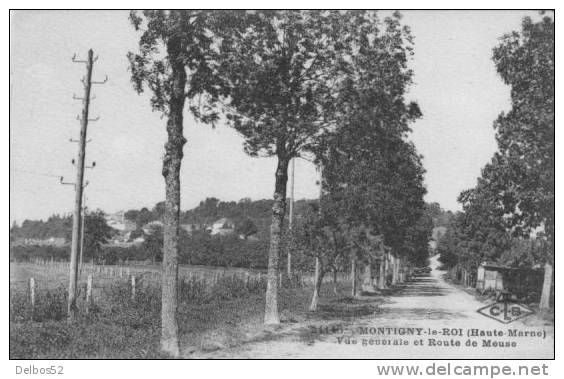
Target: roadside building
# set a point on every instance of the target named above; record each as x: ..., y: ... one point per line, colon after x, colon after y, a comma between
x: 522, y: 283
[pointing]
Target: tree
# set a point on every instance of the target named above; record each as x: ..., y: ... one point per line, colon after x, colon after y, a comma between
x: 377, y: 184
x: 175, y: 62
x: 282, y: 69
x: 373, y: 179
x: 247, y: 228
x: 370, y: 170
x: 448, y: 247
x: 131, y: 215
x: 159, y: 210
x: 154, y: 242
x: 483, y: 226
x: 514, y: 196
x: 97, y: 232
x: 525, y: 135
x: 144, y: 217
x: 134, y: 234
x: 287, y: 71
x: 315, y: 236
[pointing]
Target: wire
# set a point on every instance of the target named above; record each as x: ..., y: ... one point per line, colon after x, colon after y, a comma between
x: 34, y: 173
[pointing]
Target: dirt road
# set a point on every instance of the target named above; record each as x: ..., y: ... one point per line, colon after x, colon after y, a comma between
x: 405, y: 327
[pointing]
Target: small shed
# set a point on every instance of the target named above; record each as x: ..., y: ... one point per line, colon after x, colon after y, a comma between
x: 521, y: 282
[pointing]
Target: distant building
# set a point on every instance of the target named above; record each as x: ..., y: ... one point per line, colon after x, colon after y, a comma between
x: 191, y: 228
x: 223, y: 226
x: 119, y: 222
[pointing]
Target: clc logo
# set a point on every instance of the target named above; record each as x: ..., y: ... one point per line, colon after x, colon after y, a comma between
x: 505, y: 311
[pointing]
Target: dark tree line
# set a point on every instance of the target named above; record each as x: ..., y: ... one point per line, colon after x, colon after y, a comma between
x: 54, y: 226
x: 508, y: 217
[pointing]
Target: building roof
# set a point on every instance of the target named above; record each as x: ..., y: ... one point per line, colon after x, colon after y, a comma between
x: 498, y: 267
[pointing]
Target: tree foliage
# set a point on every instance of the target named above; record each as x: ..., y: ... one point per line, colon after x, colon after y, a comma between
x: 97, y: 232
x: 513, y: 200
x: 524, y: 173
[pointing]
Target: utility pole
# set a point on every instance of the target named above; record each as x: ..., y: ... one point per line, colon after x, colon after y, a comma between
x: 291, y: 215
x: 76, y: 220
x: 82, y: 234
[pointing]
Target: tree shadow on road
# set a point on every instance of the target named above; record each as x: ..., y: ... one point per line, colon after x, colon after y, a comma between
x: 419, y: 286
x: 410, y: 314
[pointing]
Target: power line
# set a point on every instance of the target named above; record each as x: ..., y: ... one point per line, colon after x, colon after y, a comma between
x: 34, y: 173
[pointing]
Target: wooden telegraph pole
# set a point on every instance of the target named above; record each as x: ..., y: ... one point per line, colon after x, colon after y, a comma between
x: 82, y: 231
x: 79, y: 188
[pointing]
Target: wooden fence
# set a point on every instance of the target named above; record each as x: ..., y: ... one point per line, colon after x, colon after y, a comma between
x: 94, y: 279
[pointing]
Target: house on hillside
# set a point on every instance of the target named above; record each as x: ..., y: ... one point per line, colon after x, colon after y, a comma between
x: 120, y: 223
x: 223, y: 226
x: 51, y: 241
x: 191, y: 228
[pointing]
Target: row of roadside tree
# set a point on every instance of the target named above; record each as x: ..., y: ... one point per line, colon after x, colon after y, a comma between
x: 328, y: 86
x: 508, y: 217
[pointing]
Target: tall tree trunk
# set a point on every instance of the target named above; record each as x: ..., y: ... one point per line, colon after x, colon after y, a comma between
x: 278, y: 210
x: 353, y: 277
x: 335, y: 281
x: 546, y: 288
x: 317, y: 288
x: 171, y: 172
x: 394, y: 271
x: 386, y: 268
x: 382, y: 273
x: 367, y: 285
x: 399, y: 269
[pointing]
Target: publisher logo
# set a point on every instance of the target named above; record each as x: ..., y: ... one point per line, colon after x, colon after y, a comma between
x: 505, y: 311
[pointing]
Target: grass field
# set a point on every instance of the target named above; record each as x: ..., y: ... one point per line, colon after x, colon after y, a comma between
x: 226, y: 313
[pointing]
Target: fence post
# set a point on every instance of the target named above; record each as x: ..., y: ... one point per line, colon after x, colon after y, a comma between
x: 32, y: 293
x: 88, y: 293
x: 132, y: 287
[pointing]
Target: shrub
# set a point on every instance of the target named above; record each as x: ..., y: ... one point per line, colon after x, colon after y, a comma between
x: 50, y: 304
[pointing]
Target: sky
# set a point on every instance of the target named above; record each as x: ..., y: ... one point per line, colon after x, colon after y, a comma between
x: 456, y: 86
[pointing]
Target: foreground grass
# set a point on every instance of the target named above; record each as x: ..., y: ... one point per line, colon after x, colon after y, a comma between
x: 129, y: 329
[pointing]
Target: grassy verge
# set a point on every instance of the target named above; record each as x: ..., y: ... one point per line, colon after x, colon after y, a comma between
x: 228, y: 316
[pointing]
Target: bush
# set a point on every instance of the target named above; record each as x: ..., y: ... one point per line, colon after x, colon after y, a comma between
x: 50, y: 304
x: 200, y: 248
x: 29, y: 253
